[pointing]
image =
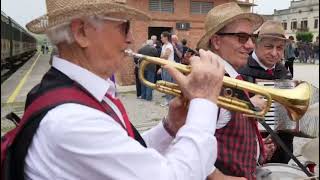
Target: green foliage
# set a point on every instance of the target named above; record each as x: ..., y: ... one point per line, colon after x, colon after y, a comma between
x: 304, y: 36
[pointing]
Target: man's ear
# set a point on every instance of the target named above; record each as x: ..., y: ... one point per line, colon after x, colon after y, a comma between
x: 79, y: 33
x: 215, y: 42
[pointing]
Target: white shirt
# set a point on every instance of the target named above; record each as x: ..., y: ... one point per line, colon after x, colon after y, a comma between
x: 255, y: 57
x: 225, y: 115
x: 165, y: 47
x: 77, y: 142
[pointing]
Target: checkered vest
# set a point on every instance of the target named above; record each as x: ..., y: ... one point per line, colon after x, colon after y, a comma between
x: 237, y: 144
x: 237, y: 147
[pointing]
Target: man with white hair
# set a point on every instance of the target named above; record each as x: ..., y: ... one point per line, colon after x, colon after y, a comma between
x: 150, y: 71
x: 89, y: 135
x: 154, y: 39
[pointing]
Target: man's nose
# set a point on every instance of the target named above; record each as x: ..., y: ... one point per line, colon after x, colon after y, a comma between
x: 249, y: 44
x: 129, y: 38
x: 274, y: 52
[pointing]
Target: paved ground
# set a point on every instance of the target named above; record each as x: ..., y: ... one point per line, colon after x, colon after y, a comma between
x: 307, y: 72
x: 143, y: 114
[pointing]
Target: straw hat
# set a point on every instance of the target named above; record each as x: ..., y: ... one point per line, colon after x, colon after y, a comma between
x: 272, y: 29
x: 62, y: 11
x: 220, y: 16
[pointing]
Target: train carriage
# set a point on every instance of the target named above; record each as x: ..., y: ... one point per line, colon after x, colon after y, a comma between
x: 16, y: 43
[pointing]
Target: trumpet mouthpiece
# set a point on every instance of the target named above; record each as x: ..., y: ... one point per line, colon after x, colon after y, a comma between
x: 130, y: 53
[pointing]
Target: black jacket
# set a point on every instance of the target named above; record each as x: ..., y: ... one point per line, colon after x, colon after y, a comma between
x: 148, y: 50
x: 252, y: 71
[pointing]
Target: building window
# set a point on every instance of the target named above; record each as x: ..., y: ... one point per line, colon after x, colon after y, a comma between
x: 161, y: 5
x: 198, y: 7
x: 304, y: 24
x: 294, y: 25
x: 284, y: 24
x: 316, y: 23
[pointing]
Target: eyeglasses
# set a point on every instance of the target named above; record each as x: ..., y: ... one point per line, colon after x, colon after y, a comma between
x: 242, y: 37
x: 125, y: 26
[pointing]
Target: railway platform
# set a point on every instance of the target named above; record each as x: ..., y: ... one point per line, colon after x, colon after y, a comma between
x: 16, y: 87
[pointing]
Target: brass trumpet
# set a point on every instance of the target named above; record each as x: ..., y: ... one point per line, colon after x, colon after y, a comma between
x: 295, y: 100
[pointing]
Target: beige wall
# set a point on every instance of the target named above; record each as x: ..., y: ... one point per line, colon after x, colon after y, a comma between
x: 300, y: 11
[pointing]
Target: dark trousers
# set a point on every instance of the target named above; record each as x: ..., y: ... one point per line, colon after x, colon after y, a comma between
x: 138, y: 83
x: 146, y: 92
x: 157, y: 76
x: 289, y: 65
x: 280, y: 156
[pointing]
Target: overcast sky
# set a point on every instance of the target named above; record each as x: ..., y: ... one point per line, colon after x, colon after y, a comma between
x: 24, y: 11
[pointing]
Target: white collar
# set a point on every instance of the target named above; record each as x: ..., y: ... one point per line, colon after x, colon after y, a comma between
x: 94, y: 84
x: 255, y: 57
x: 229, y: 69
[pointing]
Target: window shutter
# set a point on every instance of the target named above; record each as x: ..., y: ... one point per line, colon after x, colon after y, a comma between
x: 161, y: 5
x: 198, y: 7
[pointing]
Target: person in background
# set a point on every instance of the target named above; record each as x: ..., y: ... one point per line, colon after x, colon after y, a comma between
x: 186, y: 53
x: 137, y: 79
x: 290, y: 55
x: 265, y: 63
x: 42, y: 48
x: 167, y: 53
x: 46, y: 49
x: 54, y: 52
x: 316, y: 50
x: 149, y: 50
x: 184, y: 46
x: 159, y: 49
x: 154, y: 40
x: 178, y: 48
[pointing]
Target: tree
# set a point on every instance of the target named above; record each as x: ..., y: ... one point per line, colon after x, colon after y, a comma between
x: 304, y: 36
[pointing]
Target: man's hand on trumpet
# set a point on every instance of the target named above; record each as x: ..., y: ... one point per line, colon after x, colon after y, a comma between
x: 207, y: 72
x: 205, y: 79
x: 258, y: 101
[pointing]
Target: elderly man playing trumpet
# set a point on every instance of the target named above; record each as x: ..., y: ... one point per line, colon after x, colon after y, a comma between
x: 77, y: 141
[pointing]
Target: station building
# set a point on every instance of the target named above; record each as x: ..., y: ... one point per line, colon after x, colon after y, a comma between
x: 185, y: 18
x: 302, y: 15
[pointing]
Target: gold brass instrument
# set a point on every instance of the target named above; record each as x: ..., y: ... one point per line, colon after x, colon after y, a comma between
x: 295, y: 100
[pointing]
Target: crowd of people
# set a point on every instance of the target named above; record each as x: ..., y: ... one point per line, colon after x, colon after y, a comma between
x: 170, y: 48
x: 44, y: 49
x: 81, y: 130
x: 307, y: 52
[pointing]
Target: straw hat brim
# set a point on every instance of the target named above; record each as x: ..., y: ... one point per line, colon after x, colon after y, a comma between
x: 47, y: 21
x: 273, y: 37
x: 256, y: 19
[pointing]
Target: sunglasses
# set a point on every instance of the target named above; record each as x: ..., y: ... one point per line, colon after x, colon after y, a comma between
x: 242, y: 37
x: 124, y: 26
